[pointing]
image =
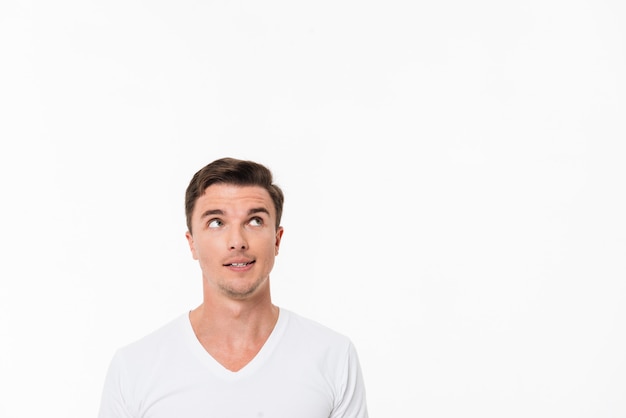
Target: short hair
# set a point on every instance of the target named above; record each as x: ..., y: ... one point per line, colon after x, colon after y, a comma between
x: 236, y: 172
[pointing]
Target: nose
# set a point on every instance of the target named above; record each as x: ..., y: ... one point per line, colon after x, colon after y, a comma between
x: 237, y: 240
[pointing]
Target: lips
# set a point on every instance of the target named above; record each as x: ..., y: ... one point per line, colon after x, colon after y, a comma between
x: 239, y: 264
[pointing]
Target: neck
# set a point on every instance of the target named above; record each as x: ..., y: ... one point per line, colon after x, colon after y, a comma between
x: 237, y: 321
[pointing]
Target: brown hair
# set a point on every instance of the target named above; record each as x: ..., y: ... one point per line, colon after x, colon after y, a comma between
x: 232, y: 171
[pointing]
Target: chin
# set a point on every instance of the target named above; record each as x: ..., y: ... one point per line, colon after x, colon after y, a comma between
x: 241, y: 293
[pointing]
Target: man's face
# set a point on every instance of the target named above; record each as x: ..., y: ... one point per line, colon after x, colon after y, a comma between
x: 235, y: 239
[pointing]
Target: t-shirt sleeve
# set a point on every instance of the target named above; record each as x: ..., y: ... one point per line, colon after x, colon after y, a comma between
x: 351, y: 401
x: 112, y: 403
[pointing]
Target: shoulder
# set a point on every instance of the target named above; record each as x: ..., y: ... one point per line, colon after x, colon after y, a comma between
x: 155, y: 344
x: 153, y: 353
x: 328, y: 357
x: 309, y: 325
x: 135, y: 367
x: 315, y: 336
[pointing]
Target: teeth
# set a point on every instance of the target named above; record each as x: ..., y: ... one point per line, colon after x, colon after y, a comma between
x: 239, y: 264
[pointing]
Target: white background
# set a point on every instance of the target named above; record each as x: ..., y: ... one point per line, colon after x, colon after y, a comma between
x: 454, y: 178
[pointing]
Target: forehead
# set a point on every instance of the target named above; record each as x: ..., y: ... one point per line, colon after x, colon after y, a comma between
x: 232, y: 198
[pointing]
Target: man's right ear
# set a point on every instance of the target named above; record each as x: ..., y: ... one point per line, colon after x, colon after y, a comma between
x: 192, y: 247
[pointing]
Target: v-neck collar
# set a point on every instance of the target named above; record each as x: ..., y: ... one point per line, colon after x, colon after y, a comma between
x: 253, y: 365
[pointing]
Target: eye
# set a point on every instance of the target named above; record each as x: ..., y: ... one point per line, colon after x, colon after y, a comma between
x: 215, y: 223
x: 256, y: 221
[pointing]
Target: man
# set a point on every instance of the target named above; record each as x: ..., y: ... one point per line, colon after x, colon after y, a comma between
x: 237, y: 354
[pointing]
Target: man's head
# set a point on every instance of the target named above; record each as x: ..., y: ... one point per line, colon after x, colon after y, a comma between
x: 236, y: 172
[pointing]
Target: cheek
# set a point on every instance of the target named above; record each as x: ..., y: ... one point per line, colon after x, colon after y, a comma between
x: 202, y: 249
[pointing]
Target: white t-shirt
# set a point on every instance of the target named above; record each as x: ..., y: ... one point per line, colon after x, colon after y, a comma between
x: 304, y: 370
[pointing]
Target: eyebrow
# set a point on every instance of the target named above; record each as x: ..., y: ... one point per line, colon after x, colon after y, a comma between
x: 258, y: 210
x: 211, y: 212
x: 252, y: 211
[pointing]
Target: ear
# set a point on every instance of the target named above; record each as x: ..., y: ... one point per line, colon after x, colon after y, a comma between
x: 279, y: 236
x: 191, y: 245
